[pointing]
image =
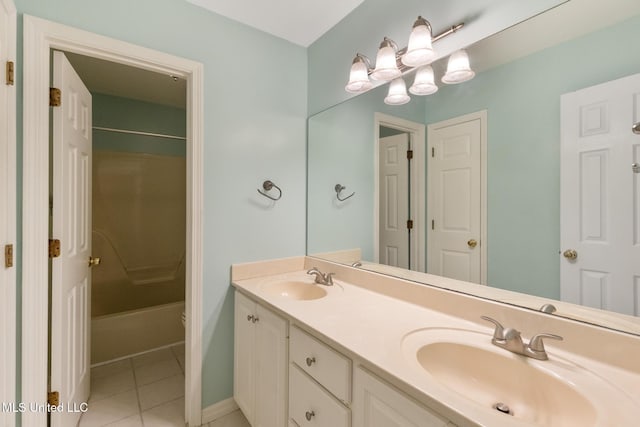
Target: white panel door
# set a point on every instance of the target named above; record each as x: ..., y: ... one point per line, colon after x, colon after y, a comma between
x: 71, y: 278
x: 600, y: 196
x: 7, y: 214
x: 455, y: 186
x: 394, y: 201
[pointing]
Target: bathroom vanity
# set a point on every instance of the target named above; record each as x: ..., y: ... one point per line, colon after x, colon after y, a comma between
x: 373, y: 350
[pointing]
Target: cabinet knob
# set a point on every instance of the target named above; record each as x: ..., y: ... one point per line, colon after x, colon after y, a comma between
x: 255, y: 319
x: 308, y: 415
x: 311, y: 361
x: 250, y: 318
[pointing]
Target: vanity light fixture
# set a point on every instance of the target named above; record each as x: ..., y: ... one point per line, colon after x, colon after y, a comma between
x: 458, y: 68
x: 397, y: 93
x: 386, y: 62
x: 359, y: 76
x: 392, y: 62
x: 423, y: 83
x: 420, y: 50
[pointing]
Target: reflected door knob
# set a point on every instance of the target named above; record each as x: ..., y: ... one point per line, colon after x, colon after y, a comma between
x: 472, y: 243
x: 570, y: 254
x: 94, y: 261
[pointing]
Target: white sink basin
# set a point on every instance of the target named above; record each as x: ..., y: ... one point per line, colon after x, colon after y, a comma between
x: 296, y: 290
x: 550, y: 393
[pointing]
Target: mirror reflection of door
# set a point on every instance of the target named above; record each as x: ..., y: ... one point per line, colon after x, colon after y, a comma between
x: 395, y: 198
x: 456, y: 193
x: 600, y: 197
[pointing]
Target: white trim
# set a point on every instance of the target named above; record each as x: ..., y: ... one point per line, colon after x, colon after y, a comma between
x: 39, y: 37
x: 219, y: 410
x: 8, y: 215
x: 417, y: 138
x: 482, y: 116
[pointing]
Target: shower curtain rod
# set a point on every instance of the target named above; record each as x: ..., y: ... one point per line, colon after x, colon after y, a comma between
x: 135, y: 132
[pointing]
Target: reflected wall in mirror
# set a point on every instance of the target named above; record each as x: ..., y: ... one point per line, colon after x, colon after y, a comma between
x: 522, y: 74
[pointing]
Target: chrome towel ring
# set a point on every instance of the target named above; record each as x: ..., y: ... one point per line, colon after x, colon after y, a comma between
x: 339, y: 189
x: 267, y: 186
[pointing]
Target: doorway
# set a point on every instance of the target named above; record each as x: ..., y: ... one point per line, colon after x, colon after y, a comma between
x: 457, y: 206
x: 41, y: 36
x: 399, y: 173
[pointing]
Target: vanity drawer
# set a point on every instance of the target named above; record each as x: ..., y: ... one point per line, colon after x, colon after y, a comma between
x: 311, y: 405
x: 327, y: 366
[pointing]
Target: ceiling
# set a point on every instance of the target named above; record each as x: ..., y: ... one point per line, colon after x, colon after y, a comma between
x: 299, y: 21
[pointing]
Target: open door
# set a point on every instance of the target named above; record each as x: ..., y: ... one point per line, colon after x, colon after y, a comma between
x: 7, y: 212
x: 71, y: 224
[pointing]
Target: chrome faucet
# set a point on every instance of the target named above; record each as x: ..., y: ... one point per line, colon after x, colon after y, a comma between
x: 321, y: 278
x: 510, y: 339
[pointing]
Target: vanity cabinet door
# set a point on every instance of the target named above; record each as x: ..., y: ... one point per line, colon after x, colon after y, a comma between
x: 377, y: 404
x: 244, y: 350
x: 260, y: 363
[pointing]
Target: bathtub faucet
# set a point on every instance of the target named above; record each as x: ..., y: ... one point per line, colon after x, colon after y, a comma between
x: 321, y: 278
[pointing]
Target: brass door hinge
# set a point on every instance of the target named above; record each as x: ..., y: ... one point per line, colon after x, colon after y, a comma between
x: 54, y: 248
x: 8, y: 256
x: 53, y: 398
x: 55, y: 97
x: 10, y: 73
x: 409, y: 224
x: 409, y: 154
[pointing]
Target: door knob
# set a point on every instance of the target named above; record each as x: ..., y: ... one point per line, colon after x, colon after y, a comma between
x: 570, y: 254
x: 472, y: 243
x: 636, y: 128
x: 93, y: 261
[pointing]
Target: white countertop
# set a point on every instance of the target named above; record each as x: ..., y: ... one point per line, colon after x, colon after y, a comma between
x: 372, y: 327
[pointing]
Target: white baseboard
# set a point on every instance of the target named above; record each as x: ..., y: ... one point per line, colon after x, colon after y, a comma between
x: 218, y: 410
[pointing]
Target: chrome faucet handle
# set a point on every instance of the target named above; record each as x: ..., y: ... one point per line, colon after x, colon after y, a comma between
x: 328, y: 279
x: 498, y: 333
x: 536, y: 344
x: 319, y: 276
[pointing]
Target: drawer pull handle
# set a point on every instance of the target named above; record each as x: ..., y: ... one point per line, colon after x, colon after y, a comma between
x: 311, y: 361
x: 250, y: 317
x: 309, y: 415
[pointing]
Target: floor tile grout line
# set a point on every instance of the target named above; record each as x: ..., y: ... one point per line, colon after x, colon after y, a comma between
x: 135, y: 383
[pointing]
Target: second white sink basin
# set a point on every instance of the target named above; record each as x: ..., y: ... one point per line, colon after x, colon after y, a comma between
x: 549, y: 393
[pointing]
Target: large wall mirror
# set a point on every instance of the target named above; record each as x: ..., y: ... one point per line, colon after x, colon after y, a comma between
x: 513, y: 119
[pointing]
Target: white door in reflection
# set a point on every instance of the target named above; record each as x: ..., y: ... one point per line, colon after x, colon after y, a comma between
x: 394, y: 200
x: 600, y: 197
x: 455, y: 194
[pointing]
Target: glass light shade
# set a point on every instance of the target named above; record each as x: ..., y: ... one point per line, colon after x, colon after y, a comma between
x: 424, y: 83
x: 397, y: 93
x: 420, y: 51
x: 386, y: 65
x: 458, y: 69
x: 359, y: 77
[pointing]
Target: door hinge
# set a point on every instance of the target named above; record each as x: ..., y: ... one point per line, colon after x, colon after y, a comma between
x: 433, y: 151
x: 54, y: 248
x: 409, y: 154
x: 10, y: 73
x: 55, y: 97
x: 409, y: 224
x: 53, y: 398
x: 8, y: 256
x: 433, y: 224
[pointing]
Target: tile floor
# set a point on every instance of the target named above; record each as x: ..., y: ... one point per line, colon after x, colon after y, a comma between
x: 146, y: 390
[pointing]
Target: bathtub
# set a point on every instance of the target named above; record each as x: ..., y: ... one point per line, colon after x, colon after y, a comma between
x: 118, y: 335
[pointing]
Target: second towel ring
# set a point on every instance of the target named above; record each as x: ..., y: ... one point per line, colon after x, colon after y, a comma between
x: 339, y: 189
x: 267, y: 186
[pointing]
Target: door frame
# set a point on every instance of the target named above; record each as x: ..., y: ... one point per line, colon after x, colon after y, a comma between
x: 39, y: 37
x: 8, y: 302
x: 417, y: 143
x: 482, y: 116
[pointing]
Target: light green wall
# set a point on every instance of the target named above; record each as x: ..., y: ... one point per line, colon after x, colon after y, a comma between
x: 340, y: 151
x: 129, y: 114
x: 255, y: 114
x: 523, y: 103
